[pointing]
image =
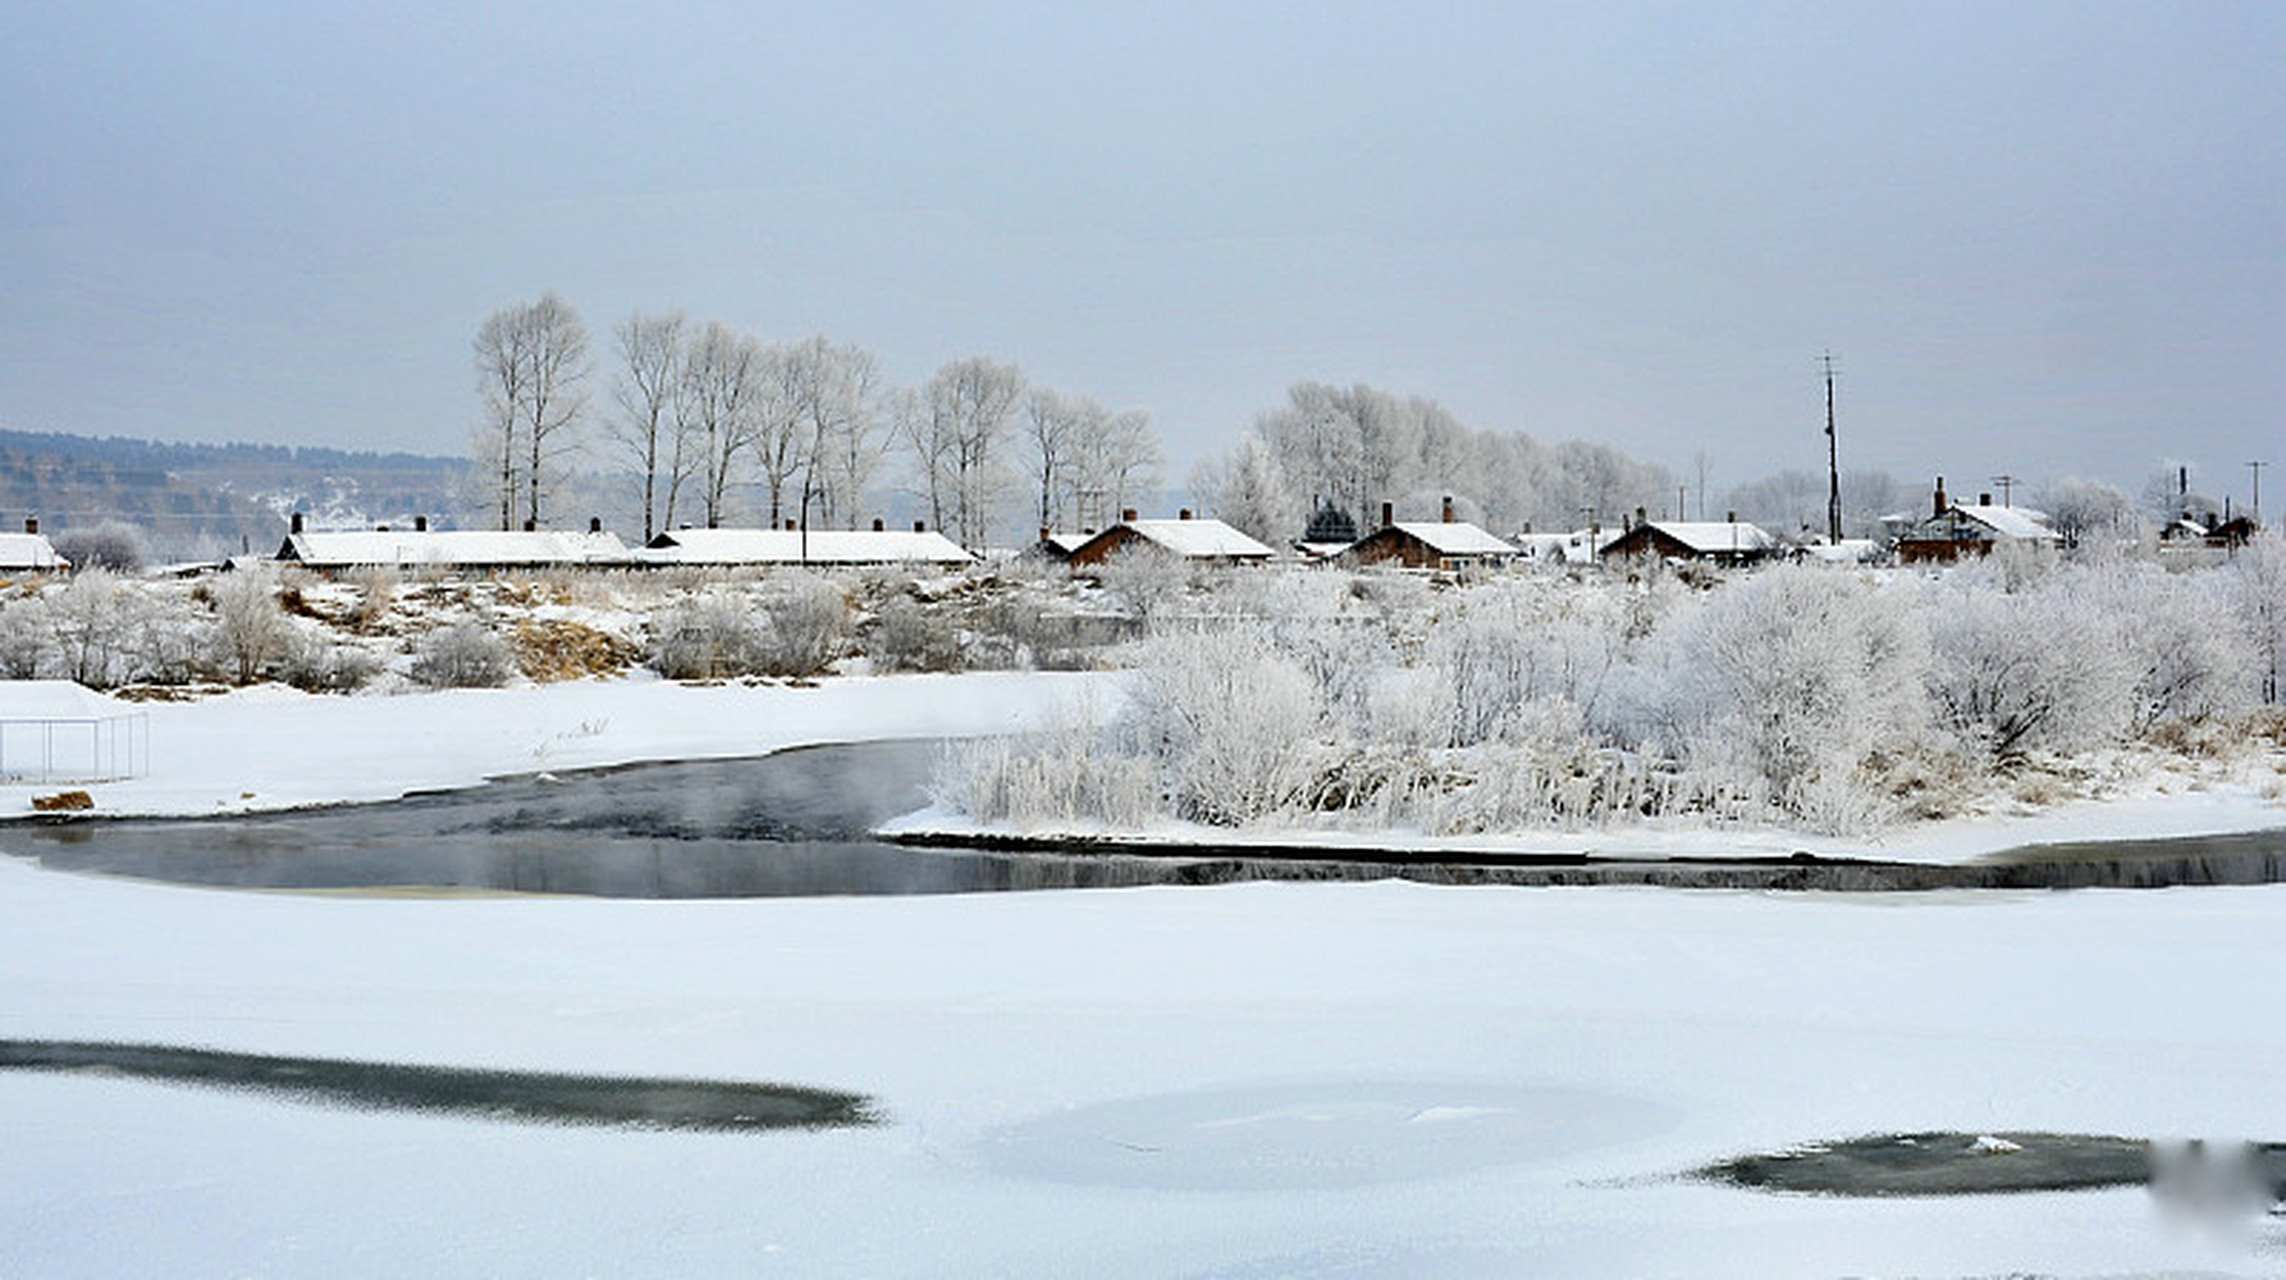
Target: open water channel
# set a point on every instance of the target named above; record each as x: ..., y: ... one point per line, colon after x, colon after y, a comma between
x: 799, y: 823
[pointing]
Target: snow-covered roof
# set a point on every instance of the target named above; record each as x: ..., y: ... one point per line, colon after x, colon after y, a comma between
x: 1200, y: 539
x: 1717, y: 537
x: 55, y: 700
x: 28, y: 551
x: 2010, y: 522
x: 1066, y: 543
x: 1578, y: 547
x: 1846, y: 551
x: 785, y: 546
x: 454, y: 548
x: 1454, y: 538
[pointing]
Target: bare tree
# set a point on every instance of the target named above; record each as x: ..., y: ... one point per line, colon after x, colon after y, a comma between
x: 969, y: 404
x: 831, y: 389
x: 530, y: 363
x: 651, y: 368
x: 722, y: 388
x: 1052, y: 427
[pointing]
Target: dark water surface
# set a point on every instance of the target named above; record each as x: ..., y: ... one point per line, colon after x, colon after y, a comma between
x: 796, y: 824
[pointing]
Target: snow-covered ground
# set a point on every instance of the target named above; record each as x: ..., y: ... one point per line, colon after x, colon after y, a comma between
x: 1251, y: 1080
x: 271, y: 747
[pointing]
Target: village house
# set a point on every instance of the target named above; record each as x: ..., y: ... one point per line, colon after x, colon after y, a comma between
x: 451, y: 551
x: 725, y: 548
x: 1200, y: 541
x: 1954, y: 530
x: 1447, y: 545
x: 1724, y: 542
x: 29, y: 551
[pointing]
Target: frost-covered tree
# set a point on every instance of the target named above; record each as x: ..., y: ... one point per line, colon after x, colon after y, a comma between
x: 958, y: 438
x: 646, y: 426
x: 531, y: 363
x: 2258, y: 587
x: 1249, y: 490
x: 720, y: 397
x: 251, y: 632
x: 2094, y: 518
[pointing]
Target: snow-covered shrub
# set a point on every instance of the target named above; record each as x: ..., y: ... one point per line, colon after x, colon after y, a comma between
x: 1239, y: 731
x: 463, y: 655
x: 2030, y: 671
x: 1798, y: 681
x: 250, y: 633
x: 27, y: 641
x: 1511, y: 646
x: 317, y: 666
x: 1150, y: 582
x: 2257, y: 591
x: 376, y: 597
x: 2175, y: 632
x: 709, y: 637
x: 908, y: 636
x: 93, y: 623
x: 1067, y: 774
x: 112, y: 545
x: 808, y: 615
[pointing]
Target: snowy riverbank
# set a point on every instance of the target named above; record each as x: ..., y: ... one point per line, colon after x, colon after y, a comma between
x: 270, y: 747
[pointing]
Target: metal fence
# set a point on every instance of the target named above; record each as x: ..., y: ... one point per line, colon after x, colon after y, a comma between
x: 75, y: 749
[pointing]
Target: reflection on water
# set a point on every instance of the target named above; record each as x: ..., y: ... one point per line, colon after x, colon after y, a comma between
x: 532, y: 1097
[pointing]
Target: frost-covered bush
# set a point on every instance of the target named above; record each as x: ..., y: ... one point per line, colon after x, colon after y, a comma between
x: 2256, y: 588
x: 909, y: 636
x: 463, y: 655
x: 1797, y: 682
x: 316, y: 666
x: 1150, y: 582
x: 250, y: 632
x: 1239, y: 731
x: 2028, y: 672
x: 709, y: 637
x: 27, y: 641
x: 808, y: 616
x: 1068, y: 773
x: 1518, y: 653
x: 112, y: 545
x: 93, y: 624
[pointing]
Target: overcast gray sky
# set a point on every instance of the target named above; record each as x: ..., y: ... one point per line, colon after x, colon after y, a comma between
x: 2040, y: 238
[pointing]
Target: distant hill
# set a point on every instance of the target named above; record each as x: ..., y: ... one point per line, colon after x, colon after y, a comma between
x: 196, y: 500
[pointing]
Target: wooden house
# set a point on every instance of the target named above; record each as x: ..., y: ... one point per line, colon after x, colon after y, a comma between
x: 1196, y: 540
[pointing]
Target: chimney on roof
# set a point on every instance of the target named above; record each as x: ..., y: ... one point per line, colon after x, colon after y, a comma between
x: 920, y: 526
x: 1730, y: 517
x: 1527, y: 528
x: 595, y: 524
x: 32, y: 524
x: 1127, y: 515
x: 293, y: 523
x: 1183, y: 514
x: 877, y: 525
x: 380, y: 528
x: 1448, y: 508
x: 1388, y: 514
x: 1940, y: 497
x: 1984, y: 499
x: 420, y: 524
x: 531, y: 526
x: 1044, y: 531
x: 1642, y: 516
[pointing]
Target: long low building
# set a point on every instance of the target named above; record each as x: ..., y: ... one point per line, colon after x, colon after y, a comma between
x: 1718, y: 541
x: 1200, y: 541
x: 457, y: 550
x: 734, y: 547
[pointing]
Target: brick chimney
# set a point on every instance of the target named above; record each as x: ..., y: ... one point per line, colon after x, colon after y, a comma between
x: 32, y: 524
x: 293, y: 523
x: 1448, y: 508
x: 1183, y: 514
x: 790, y: 525
x: 1388, y: 514
x: 1984, y: 499
x: 1127, y: 515
x: 420, y: 524
x: 920, y: 526
x: 595, y: 524
x: 877, y: 525
x: 1940, y: 497
x: 531, y: 526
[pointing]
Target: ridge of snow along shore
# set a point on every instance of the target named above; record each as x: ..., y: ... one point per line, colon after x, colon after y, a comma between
x: 271, y: 747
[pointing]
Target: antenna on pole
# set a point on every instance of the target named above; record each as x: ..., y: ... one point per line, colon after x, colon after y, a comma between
x: 2256, y: 468
x: 1833, y: 461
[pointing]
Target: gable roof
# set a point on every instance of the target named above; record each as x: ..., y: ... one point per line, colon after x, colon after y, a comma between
x: 785, y: 546
x: 1716, y: 537
x: 452, y: 549
x: 29, y: 551
x: 1204, y: 539
x: 2010, y: 522
x: 1453, y: 538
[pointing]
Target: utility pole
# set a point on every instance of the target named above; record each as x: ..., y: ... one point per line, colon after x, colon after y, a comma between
x: 2007, y: 485
x: 2256, y: 468
x: 1833, y: 461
